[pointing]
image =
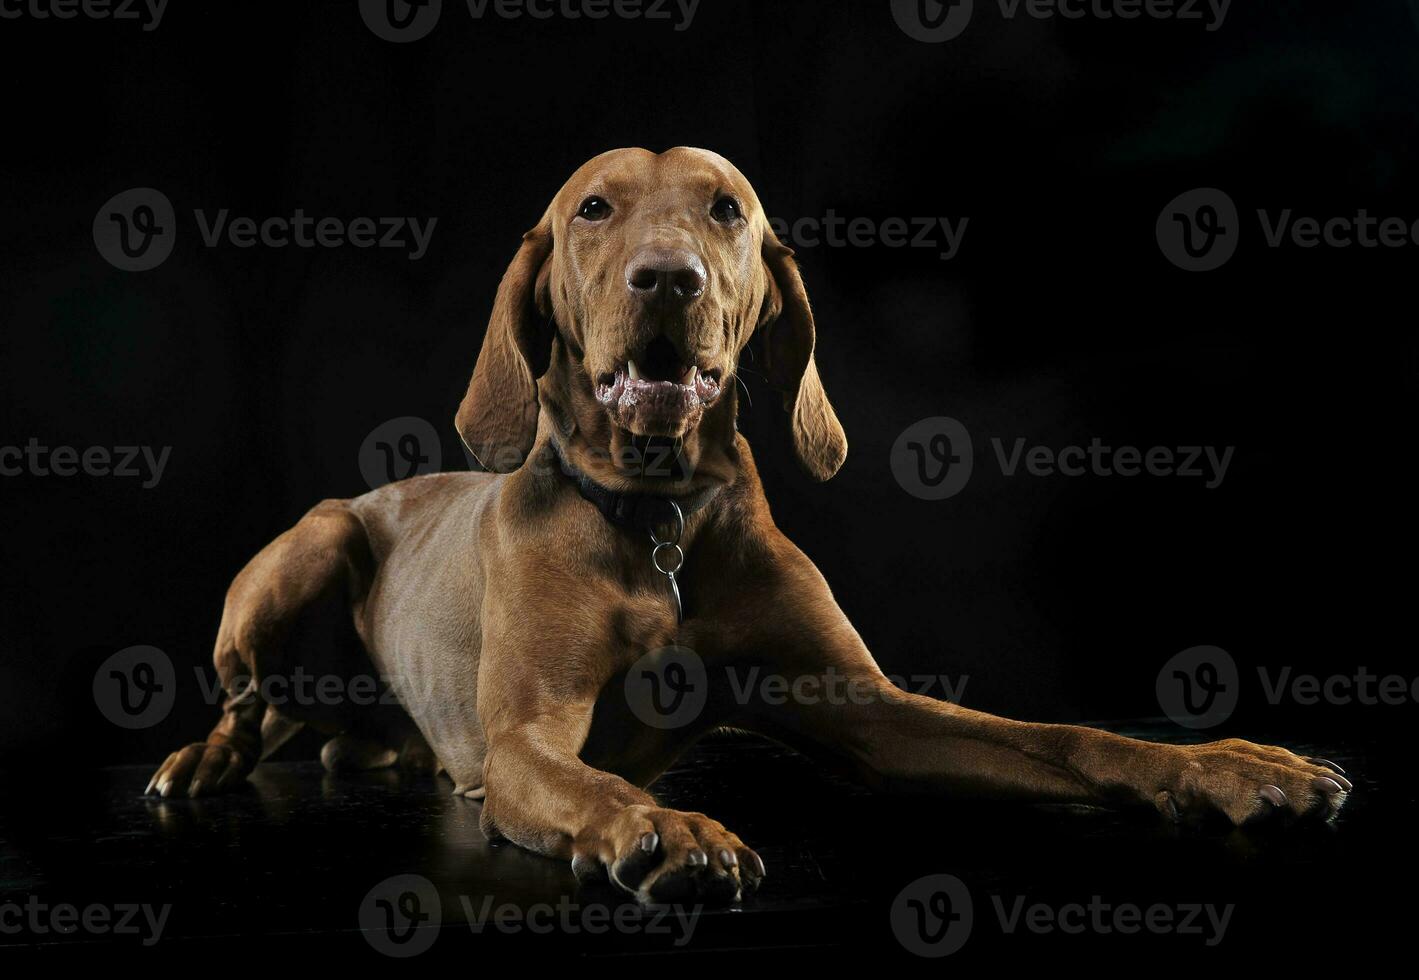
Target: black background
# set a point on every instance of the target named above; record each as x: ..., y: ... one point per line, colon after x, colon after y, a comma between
x: 1059, y: 321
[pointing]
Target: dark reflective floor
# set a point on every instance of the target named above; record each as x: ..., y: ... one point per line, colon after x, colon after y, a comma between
x: 290, y: 862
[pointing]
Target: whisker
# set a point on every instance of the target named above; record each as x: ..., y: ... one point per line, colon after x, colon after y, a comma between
x: 740, y: 382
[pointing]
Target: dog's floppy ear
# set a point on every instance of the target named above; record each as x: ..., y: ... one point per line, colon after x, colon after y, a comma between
x: 498, y: 418
x: 790, y: 337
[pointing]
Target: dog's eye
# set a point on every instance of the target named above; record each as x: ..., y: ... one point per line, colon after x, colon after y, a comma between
x: 594, y: 209
x: 726, y: 210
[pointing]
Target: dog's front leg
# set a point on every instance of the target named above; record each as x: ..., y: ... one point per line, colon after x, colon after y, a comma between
x: 542, y: 796
x: 901, y: 741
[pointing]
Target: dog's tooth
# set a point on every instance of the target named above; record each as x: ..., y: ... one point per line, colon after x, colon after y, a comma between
x: 633, y: 371
x: 689, y: 377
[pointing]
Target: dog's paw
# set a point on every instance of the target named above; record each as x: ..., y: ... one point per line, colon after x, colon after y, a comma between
x: 1247, y: 782
x: 667, y: 856
x: 200, y: 769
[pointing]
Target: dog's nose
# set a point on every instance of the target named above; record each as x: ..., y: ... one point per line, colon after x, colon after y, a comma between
x: 666, y: 275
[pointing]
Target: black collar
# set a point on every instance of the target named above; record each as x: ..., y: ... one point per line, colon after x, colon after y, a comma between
x: 632, y: 511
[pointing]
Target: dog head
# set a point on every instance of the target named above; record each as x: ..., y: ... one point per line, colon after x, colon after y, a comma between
x: 624, y: 315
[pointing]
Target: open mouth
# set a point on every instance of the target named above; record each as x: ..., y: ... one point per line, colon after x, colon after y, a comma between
x: 656, y: 393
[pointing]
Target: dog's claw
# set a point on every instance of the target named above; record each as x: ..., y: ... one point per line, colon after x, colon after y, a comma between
x: 1341, y: 781
x: 662, y: 855
x: 1275, y: 796
x: 1246, y: 782
x: 200, y: 769
x: 587, y: 870
x: 1167, y: 806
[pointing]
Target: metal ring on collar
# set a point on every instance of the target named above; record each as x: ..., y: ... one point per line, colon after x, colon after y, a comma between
x: 679, y: 558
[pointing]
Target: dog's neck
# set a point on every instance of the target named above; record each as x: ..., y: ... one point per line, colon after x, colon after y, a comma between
x: 633, y: 511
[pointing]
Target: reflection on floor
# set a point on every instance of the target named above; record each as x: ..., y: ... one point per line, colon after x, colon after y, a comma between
x: 303, y: 860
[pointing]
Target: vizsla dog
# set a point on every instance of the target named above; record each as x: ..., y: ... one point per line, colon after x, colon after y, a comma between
x: 510, y: 612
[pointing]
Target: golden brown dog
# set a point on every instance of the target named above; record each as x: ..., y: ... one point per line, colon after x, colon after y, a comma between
x: 505, y: 610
